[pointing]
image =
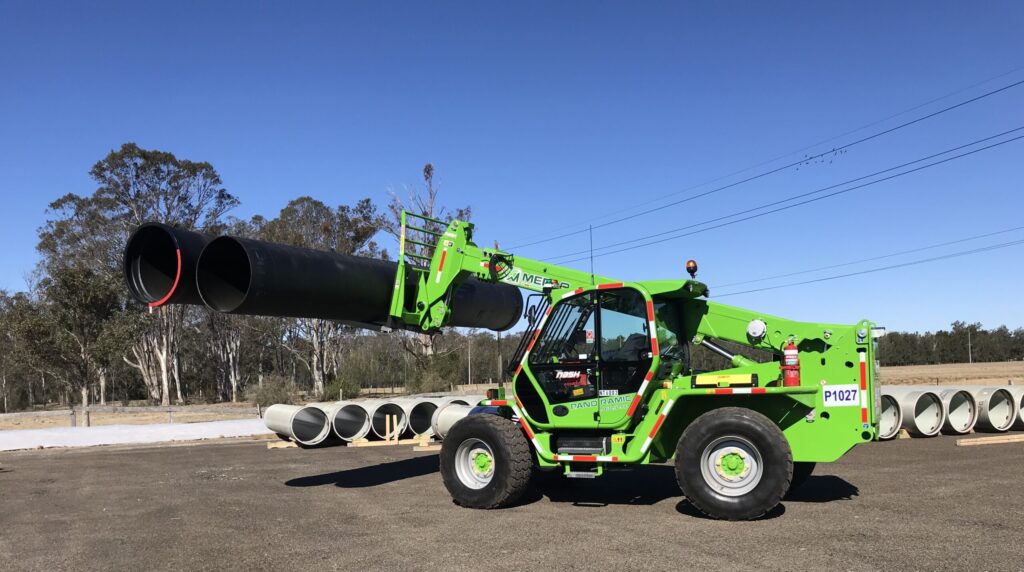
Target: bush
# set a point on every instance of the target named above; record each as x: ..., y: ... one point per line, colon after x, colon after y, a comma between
x: 275, y: 389
x: 347, y: 387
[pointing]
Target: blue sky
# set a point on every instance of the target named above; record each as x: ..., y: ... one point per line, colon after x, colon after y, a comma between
x: 547, y: 117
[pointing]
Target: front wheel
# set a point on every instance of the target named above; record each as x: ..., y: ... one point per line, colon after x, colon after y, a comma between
x: 485, y: 462
x: 734, y: 463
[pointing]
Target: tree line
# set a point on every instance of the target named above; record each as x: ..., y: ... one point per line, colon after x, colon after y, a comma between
x: 75, y: 337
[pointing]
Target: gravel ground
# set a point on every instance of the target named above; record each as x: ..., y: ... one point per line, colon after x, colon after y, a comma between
x: 912, y: 504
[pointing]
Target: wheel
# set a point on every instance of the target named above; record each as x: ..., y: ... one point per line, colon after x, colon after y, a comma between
x: 733, y: 463
x: 485, y: 462
x: 801, y: 472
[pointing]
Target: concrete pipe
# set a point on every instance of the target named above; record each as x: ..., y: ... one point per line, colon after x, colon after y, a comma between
x: 351, y: 421
x: 447, y: 415
x: 997, y: 409
x: 961, y: 411
x: 419, y: 411
x: 922, y: 410
x: 1018, y: 396
x: 461, y: 399
x: 377, y: 411
x: 890, y: 419
x: 308, y: 425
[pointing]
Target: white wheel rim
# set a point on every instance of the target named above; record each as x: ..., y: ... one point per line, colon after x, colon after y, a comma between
x: 731, y: 466
x: 474, y: 463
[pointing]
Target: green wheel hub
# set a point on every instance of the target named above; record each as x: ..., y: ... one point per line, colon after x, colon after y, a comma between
x: 482, y: 463
x: 731, y: 464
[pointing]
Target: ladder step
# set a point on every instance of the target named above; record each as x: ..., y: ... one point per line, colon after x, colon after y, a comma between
x: 581, y: 474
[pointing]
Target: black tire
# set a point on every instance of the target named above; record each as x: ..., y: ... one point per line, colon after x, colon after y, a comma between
x: 512, y: 461
x: 801, y: 472
x: 722, y: 428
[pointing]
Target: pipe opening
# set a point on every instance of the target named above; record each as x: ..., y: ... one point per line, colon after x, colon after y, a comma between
x: 223, y: 274
x: 378, y: 421
x: 420, y: 416
x: 890, y: 419
x: 961, y: 413
x: 928, y: 414
x: 308, y: 424
x: 351, y: 422
x: 151, y: 263
x: 1000, y: 409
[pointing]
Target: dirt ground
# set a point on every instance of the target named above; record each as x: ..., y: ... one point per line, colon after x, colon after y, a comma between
x: 996, y: 373
x: 48, y: 419
x: 920, y: 504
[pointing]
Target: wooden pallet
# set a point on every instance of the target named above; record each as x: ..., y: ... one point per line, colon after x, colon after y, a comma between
x: 997, y: 440
x: 390, y: 422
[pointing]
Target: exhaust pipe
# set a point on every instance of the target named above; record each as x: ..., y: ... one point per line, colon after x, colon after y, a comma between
x: 997, y: 408
x: 160, y: 264
x: 890, y: 419
x: 922, y: 410
x: 243, y: 276
x: 961, y: 411
x: 306, y: 425
x: 446, y: 416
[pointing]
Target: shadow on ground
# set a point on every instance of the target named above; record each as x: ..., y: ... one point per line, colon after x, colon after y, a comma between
x: 641, y: 485
x: 372, y: 476
x: 823, y: 488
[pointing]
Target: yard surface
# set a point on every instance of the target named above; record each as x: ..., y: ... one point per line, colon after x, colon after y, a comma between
x: 906, y: 504
x: 995, y: 373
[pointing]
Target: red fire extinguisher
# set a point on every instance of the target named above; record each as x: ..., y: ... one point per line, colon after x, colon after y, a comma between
x: 790, y: 365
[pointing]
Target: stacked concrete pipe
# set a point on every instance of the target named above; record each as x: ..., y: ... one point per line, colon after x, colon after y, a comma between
x: 306, y: 425
x: 418, y: 412
x: 446, y: 415
x: 350, y: 421
x: 998, y: 410
x: 961, y: 411
x: 1017, y: 392
x: 377, y: 411
x: 921, y: 408
x: 890, y: 419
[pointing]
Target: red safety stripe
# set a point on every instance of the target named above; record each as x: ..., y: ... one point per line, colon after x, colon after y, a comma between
x: 650, y: 310
x: 612, y: 285
x: 723, y: 392
x: 499, y: 402
x: 863, y: 415
x: 758, y: 390
x: 632, y: 406
x: 519, y: 368
x: 440, y: 265
x: 657, y: 425
x: 863, y: 376
x: 177, y: 276
x: 654, y: 346
x: 526, y: 428
x: 519, y: 403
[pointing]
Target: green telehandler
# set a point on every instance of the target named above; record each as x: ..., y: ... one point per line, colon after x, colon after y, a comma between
x: 602, y: 379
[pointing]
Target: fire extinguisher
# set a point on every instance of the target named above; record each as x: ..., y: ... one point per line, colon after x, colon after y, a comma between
x: 790, y: 365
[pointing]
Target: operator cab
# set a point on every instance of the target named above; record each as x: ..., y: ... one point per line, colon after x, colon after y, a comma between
x: 593, y: 354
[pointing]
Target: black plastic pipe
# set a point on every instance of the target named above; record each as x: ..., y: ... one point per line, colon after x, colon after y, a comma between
x: 244, y: 276
x: 160, y: 263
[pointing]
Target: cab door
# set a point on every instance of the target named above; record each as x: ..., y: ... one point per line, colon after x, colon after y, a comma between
x: 564, y: 362
x: 624, y: 350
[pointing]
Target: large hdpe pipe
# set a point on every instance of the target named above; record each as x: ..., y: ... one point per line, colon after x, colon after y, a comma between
x: 378, y: 410
x: 307, y: 425
x: 418, y: 411
x: 997, y: 409
x: 446, y: 416
x: 160, y: 264
x: 922, y: 410
x: 243, y: 276
x: 890, y: 419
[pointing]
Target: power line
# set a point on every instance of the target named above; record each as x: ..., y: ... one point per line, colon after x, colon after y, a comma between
x: 794, y: 197
x: 881, y: 269
x: 778, y: 169
x: 873, y: 258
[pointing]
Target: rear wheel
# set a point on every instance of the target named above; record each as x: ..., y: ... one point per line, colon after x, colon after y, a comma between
x: 485, y: 462
x: 734, y: 463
